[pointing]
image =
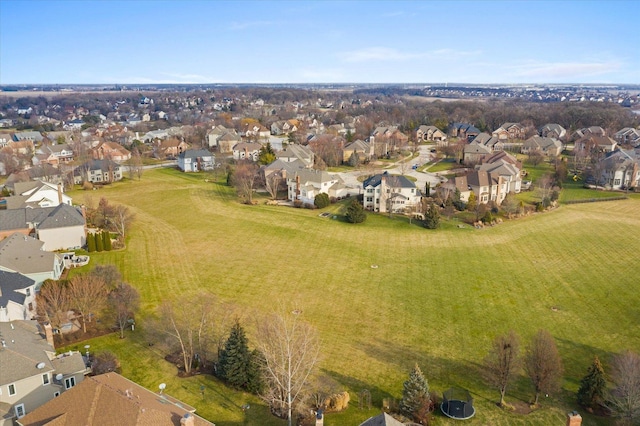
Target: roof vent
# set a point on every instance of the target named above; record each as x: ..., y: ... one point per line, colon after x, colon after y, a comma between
x: 40, y: 365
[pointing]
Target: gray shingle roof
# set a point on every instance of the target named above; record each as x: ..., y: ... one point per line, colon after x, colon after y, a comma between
x: 9, y: 283
x: 23, y: 254
x: 392, y: 181
x: 62, y: 216
x: 25, y: 349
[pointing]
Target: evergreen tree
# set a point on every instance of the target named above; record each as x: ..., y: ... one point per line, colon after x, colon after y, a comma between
x: 592, y: 386
x: 99, y: 242
x: 354, y: 159
x: 235, y: 359
x: 432, y: 217
x: 414, y: 393
x: 255, y: 383
x: 355, y: 212
x: 91, y: 242
x: 322, y: 200
x: 106, y: 240
x: 472, y: 203
x: 266, y: 155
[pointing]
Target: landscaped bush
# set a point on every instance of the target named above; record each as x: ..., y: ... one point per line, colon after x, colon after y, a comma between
x: 321, y: 201
x: 309, y: 206
x: 337, y: 401
x: 297, y: 204
x: 87, y: 186
x: 91, y: 243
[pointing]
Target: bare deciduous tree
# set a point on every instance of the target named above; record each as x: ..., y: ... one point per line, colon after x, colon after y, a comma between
x: 87, y: 294
x: 543, y: 364
x: 624, y: 400
x: 272, y: 184
x: 52, y: 302
x: 195, y: 325
x: 502, y: 362
x: 244, y: 178
x: 290, y: 350
x: 109, y: 274
x: 124, y: 301
x: 122, y: 219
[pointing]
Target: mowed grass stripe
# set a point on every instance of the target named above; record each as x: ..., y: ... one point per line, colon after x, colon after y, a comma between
x: 436, y: 298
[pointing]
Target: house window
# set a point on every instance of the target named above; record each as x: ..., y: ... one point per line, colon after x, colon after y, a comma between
x: 12, y: 389
x: 617, y: 182
x: 45, y: 379
x: 69, y: 382
x: 19, y: 409
x: 28, y: 292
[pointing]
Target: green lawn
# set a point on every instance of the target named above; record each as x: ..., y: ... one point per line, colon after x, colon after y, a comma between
x: 443, y: 165
x: 437, y: 298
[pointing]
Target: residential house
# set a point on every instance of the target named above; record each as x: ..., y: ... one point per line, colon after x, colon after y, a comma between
x: 43, y: 172
x: 26, y: 255
x: 74, y: 124
x: 111, y: 151
x: 553, y: 130
x: 459, y: 184
x: 37, y: 194
x: 35, y: 137
x: 169, y: 148
x: 386, y: 193
x: 53, y: 154
x: 430, y: 134
x: 592, y: 143
x: 227, y: 141
x: 31, y: 374
x: 628, y: 136
x: 22, y: 147
x: 17, y: 296
x: 304, y: 184
x: 247, y: 151
x: 490, y: 141
x: 59, y: 228
x: 256, y: 131
x: 464, y: 131
x: 194, y: 160
x: 588, y: 131
x: 293, y: 152
x: 154, y: 135
x: 474, y: 153
x: 112, y: 399
x: 487, y: 186
x: 619, y: 170
x: 64, y: 228
x: 508, y: 168
x: 5, y: 138
x: 282, y: 168
x: 98, y: 171
x: 548, y: 146
x: 362, y: 149
x: 510, y: 132
x: 387, y: 139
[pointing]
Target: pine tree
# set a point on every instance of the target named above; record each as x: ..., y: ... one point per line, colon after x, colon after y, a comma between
x: 414, y: 393
x: 91, y: 243
x: 472, y: 202
x: 355, y: 212
x: 235, y: 359
x: 432, y: 217
x: 592, y: 386
x: 354, y: 159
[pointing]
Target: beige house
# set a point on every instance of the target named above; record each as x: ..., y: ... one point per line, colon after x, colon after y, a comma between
x: 551, y: 147
x: 510, y: 131
x: 31, y: 374
x: 363, y: 150
x: 430, y: 134
x: 304, y: 184
x: 23, y: 254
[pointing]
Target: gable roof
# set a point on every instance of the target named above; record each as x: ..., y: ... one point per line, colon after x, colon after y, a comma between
x: 195, y: 153
x: 62, y: 216
x: 20, y: 253
x: 392, y: 181
x: 111, y: 399
x: 10, y: 282
x: 25, y: 348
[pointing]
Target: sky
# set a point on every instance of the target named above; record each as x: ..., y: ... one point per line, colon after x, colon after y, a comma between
x: 207, y: 41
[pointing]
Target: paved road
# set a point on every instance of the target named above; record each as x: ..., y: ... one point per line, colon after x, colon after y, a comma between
x: 351, y: 178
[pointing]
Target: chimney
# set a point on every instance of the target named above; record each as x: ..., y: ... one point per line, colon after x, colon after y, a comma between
x: 188, y: 420
x: 48, y: 333
x: 59, y: 193
x: 297, y: 186
x: 574, y: 419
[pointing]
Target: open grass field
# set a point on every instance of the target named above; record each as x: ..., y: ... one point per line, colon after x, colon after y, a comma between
x: 437, y: 298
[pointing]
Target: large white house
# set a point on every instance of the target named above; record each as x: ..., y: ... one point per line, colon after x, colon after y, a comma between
x: 619, y: 170
x: 304, y: 184
x: 36, y: 194
x: 387, y: 193
x: 194, y: 160
x: 23, y: 254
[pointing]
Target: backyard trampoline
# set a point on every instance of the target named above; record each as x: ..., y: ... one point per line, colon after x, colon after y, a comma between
x: 457, y: 404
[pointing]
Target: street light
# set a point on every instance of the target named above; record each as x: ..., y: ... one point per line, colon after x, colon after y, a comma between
x: 86, y: 347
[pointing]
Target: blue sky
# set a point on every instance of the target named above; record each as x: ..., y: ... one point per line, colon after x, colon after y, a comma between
x: 106, y: 42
